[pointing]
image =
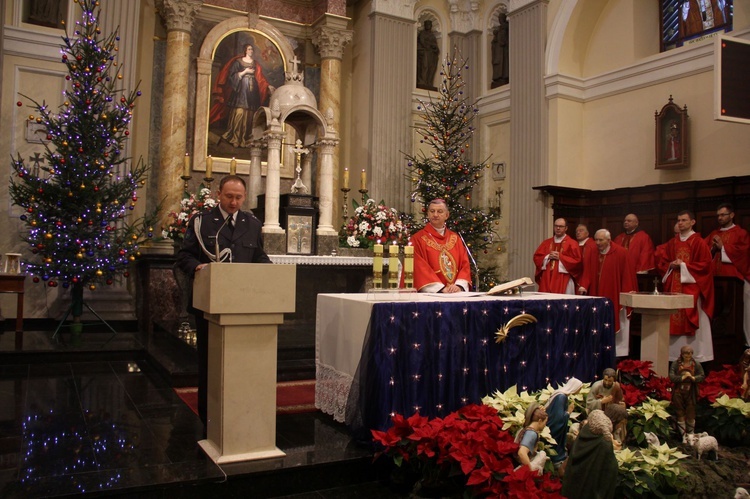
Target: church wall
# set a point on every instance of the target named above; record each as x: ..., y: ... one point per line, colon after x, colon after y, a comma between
x: 566, y: 157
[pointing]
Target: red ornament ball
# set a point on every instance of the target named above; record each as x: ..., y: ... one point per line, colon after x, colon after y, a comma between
x: 35, y: 279
x: 19, y: 103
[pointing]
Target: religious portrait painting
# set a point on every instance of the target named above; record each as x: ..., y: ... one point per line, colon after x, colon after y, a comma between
x: 247, y: 68
x: 672, y: 136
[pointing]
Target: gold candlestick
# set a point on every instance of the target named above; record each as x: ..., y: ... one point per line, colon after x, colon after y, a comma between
x: 346, y: 190
x: 364, y: 194
x: 185, y: 180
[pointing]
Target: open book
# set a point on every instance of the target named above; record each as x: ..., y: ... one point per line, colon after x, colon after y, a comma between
x: 510, y: 286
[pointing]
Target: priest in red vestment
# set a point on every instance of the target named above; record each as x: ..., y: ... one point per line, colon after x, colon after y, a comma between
x: 558, y: 261
x: 638, y: 243
x: 441, y: 261
x: 614, y: 274
x: 686, y: 265
x: 589, y: 259
x: 730, y: 247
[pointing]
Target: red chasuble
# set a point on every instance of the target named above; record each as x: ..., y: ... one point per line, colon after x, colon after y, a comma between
x: 640, y: 249
x: 615, y: 274
x: 737, y: 247
x: 697, y: 257
x: 439, y: 258
x: 550, y: 279
x: 589, y: 265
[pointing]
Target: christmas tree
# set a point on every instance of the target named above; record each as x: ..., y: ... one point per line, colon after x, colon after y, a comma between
x: 447, y: 172
x: 77, y: 201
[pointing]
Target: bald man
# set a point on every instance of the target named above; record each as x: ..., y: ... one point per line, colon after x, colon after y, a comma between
x: 639, y: 245
x: 558, y: 261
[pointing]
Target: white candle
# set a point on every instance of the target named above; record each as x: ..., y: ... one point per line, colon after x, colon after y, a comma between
x: 209, y: 166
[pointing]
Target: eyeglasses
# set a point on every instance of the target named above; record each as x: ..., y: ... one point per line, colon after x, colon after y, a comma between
x: 560, y: 226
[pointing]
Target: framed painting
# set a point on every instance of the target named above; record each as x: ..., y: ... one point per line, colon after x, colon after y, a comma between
x: 672, y: 138
x: 247, y: 69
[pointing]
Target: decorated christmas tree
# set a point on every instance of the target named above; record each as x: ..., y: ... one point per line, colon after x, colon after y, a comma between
x: 77, y: 202
x: 447, y: 171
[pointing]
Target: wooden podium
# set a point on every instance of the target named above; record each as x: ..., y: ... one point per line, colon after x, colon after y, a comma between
x: 244, y: 303
x: 656, y: 310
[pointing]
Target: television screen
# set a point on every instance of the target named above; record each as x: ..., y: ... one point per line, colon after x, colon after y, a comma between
x: 732, y: 76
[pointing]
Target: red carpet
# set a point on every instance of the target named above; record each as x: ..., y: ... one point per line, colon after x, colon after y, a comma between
x: 292, y: 397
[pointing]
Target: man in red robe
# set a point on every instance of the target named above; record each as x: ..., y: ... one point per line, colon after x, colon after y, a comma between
x: 730, y: 247
x: 558, y: 261
x: 589, y: 259
x: 686, y: 265
x: 441, y: 261
x: 639, y: 245
x: 614, y: 274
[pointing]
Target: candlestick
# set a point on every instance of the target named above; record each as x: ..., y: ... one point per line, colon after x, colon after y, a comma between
x: 377, y: 266
x: 233, y: 167
x: 345, y: 206
x: 363, y: 180
x: 393, y: 266
x: 186, y: 167
x: 346, y: 179
x: 209, y: 167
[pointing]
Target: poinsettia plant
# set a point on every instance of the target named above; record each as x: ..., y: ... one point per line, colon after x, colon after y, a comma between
x: 191, y: 203
x: 469, y: 446
x: 373, y: 222
x: 639, y: 382
x: 725, y: 382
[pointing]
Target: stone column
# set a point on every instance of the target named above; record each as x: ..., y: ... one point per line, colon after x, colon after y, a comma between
x: 254, y: 183
x: 326, y: 233
x: 179, y: 16
x: 273, y: 181
x: 330, y: 36
x: 307, y: 171
x: 392, y: 72
x: 530, y: 222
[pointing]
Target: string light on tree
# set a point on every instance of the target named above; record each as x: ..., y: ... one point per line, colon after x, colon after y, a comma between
x: 75, y: 202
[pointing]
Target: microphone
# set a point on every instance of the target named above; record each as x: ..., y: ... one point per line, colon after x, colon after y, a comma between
x: 216, y: 250
x: 471, y: 257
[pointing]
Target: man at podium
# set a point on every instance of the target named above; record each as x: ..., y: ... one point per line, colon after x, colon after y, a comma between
x: 229, y: 234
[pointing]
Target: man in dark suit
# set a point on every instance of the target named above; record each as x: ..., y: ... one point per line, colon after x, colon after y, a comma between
x: 240, y: 241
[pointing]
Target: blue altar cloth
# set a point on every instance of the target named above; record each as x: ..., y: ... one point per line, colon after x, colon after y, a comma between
x: 437, y: 356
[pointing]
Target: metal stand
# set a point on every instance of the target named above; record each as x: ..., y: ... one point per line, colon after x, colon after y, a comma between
x: 364, y: 195
x: 101, y: 321
x: 346, y: 190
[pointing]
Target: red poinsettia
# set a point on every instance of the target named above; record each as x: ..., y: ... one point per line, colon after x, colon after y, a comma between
x: 470, y: 442
x: 639, y: 382
x: 717, y: 383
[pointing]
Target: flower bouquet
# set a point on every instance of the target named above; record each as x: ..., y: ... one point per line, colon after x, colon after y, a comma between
x: 373, y: 222
x: 191, y: 204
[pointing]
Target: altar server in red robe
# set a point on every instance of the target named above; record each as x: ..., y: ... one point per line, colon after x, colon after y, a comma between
x: 730, y: 247
x: 638, y: 243
x: 614, y: 275
x: 558, y: 261
x: 441, y: 261
x: 686, y: 265
x: 589, y: 259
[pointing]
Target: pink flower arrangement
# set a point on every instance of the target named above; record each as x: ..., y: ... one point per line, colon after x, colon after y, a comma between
x: 373, y: 222
x: 469, y: 445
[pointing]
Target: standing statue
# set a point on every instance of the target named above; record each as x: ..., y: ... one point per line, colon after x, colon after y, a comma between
x: 500, y: 53
x: 428, y: 53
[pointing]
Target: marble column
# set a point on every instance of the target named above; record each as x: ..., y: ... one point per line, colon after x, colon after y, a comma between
x: 330, y: 37
x: 273, y: 182
x: 530, y: 222
x: 254, y: 183
x: 179, y: 16
x: 326, y: 152
x: 307, y: 172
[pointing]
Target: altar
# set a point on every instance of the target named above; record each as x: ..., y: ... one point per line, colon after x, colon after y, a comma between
x: 435, y: 353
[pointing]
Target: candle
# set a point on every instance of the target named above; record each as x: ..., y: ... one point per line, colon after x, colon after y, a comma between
x: 233, y: 167
x: 409, y: 258
x: 377, y: 265
x: 186, y: 168
x: 363, y: 180
x: 346, y: 178
x: 393, y: 261
x: 209, y: 166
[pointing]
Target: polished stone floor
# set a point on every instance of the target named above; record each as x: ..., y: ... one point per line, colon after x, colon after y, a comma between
x: 101, y: 424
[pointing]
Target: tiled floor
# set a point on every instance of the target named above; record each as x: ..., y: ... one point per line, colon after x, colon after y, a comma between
x: 116, y: 427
